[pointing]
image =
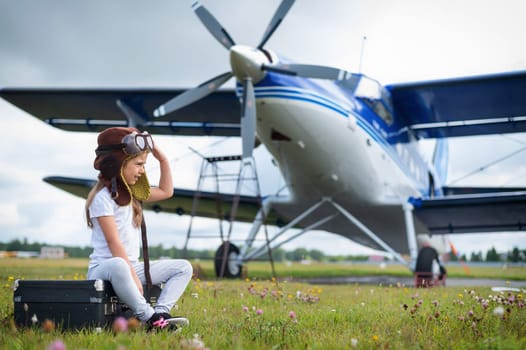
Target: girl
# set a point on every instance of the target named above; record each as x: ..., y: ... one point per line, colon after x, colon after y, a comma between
x: 114, y: 213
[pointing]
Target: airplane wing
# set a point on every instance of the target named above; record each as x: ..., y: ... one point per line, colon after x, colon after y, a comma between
x: 473, y: 213
x: 181, y: 202
x: 93, y: 110
x: 481, y: 105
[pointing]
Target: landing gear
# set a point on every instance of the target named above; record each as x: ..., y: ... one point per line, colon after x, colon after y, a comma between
x: 225, y: 262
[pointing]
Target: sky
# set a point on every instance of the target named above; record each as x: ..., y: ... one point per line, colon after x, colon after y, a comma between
x: 130, y: 43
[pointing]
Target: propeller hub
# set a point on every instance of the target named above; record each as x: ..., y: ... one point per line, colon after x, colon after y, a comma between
x: 246, y: 62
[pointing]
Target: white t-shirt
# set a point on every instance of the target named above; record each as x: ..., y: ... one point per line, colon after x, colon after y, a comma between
x: 104, y: 205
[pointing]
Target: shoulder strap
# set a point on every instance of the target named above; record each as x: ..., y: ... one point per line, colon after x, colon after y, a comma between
x: 146, y: 258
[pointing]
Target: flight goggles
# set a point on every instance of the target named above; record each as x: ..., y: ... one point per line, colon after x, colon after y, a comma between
x: 131, y: 144
x: 135, y: 143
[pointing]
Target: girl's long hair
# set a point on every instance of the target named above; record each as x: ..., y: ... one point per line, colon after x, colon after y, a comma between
x: 137, y: 207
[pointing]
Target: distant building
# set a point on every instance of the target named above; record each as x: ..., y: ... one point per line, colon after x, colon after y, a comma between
x: 26, y: 254
x: 52, y: 253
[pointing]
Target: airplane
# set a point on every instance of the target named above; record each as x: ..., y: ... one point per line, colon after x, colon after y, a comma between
x: 346, y: 146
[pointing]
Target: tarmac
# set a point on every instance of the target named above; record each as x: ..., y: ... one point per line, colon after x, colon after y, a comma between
x: 409, y: 281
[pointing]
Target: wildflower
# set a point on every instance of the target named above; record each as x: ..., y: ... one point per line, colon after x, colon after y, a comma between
x: 435, y: 302
x: 470, y: 313
x: 375, y: 338
x: 57, y: 345
x: 292, y: 315
x: 133, y: 323
x: 354, y: 342
x: 245, y: 308
x: 498, y: 311
x: 48, y: 325
x: 195, y: 295
x: 120, y: 325
x: 259, y: 312
x: 194, y: 344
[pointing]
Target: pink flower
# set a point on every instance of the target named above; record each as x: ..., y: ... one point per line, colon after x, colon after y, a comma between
x: 245, y: 308
x: 259, y: 311
x: 57, y: 345
x: 120, y: 325
x: 292, y: 315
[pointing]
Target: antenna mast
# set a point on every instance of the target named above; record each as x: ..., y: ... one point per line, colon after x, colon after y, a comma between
x: 364, y: 38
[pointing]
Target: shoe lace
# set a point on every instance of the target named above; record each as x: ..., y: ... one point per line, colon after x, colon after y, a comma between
x: 160, y: 323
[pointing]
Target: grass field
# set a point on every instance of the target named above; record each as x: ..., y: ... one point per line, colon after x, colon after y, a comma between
x: 261, y: 313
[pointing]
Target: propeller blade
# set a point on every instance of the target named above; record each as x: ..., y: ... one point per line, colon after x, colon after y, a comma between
x: 248, y: 119
x: 281, y: 12
x: 213, y: 25
x: 308, y: 71
x: 192, y: 95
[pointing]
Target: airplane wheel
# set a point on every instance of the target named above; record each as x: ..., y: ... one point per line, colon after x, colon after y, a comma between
x: 231, y: 268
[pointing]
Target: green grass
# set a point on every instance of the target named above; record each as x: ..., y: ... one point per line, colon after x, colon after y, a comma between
x: 261, y: 313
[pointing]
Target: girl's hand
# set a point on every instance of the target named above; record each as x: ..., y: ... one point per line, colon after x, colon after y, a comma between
x: 158, y: 153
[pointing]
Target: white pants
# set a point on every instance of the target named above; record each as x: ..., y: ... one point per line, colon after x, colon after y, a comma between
x: 174, y: 273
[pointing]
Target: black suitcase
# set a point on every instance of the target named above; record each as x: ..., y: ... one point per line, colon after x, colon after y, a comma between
x: 69, y: 304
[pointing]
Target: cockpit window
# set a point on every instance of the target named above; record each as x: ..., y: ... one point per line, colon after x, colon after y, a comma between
x: 376, y: 97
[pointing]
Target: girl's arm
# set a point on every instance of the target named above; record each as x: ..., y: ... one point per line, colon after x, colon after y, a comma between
x: 166, y: 187
x: 111, y: 233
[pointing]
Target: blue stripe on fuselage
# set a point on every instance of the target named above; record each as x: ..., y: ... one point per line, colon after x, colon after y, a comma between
x: 334, y: 97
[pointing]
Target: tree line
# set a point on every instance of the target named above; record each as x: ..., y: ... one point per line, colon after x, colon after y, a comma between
x: 298, y: 254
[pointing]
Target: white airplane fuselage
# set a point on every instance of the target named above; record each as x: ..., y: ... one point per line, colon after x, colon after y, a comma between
x: 327, y: 148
